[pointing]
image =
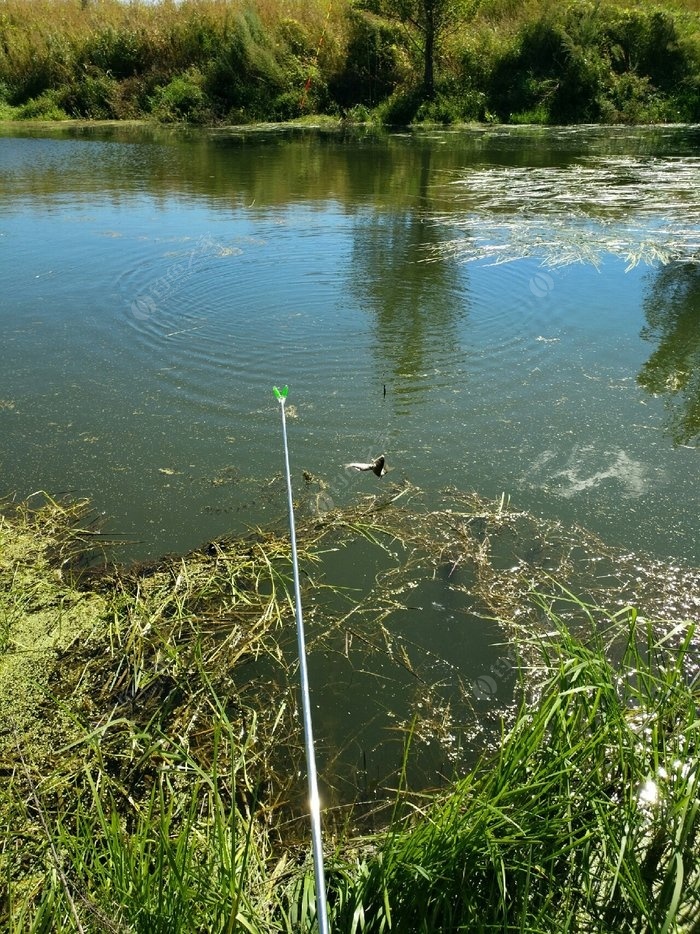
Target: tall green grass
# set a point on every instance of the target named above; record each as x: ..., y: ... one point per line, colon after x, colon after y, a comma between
x: 198, y: 60
x: 182, y: 854
x: 139, y: 753
x: 212, y: 61
x: 585, y: 820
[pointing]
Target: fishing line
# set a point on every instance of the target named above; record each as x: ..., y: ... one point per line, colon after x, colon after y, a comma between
x: 314, y: 800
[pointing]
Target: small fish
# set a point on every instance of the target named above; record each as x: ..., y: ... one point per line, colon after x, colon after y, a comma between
x: 377, y: 466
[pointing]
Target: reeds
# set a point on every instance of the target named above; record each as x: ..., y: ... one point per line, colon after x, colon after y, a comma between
x: 586, y: 819
x: 198, y: 60
x: 237, y: 61
x: 148, y: 784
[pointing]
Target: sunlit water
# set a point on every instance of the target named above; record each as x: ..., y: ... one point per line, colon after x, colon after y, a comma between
x: 156, y: 285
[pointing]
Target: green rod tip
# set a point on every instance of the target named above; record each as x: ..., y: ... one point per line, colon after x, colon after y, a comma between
x: 280, y: 393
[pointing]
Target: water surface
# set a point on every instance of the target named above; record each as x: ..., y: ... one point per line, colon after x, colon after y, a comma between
x: 157, y: 284
x: 502, y: 310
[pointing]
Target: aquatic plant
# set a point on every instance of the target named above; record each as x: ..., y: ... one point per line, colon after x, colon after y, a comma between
x: 138, y: 788
x: 586, y: 818
x: 151, y: 772
x: 645, y: 211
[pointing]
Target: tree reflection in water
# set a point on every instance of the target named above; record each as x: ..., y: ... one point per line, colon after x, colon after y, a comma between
x: 672, y: 309
x: 417, y: 305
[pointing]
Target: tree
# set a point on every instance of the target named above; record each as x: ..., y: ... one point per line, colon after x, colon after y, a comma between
x: 427, y: 23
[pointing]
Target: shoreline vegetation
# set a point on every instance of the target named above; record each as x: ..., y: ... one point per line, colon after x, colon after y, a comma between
x: 382, y: 62
x: 150, y: 742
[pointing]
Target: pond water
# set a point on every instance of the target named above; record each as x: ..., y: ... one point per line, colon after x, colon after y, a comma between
x: 505, y: 310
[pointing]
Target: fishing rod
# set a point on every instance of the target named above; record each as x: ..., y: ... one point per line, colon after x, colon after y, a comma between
x: 314, y: 800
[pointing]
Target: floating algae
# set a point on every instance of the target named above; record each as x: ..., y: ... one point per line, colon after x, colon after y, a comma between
x: 644, y: 211
x: 42, y: 614
x: 140, y: 642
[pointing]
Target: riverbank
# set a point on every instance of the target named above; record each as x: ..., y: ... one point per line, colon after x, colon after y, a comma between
x: 150, y: 743
x: 207, y: 62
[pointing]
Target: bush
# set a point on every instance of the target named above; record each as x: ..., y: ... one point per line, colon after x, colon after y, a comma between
x: 133, y: 97
x: 358, y: 114
x: 296, y: 38
x: 632, y: 99
x: 121, y: 53
x: 550, y: 72
x: 646, y: 43
x: 28, y: 79
x: 589, y: 62
x: 374, y: 64
x: 245, y: 77
x: 182, y: 99
x: 537, y: 115
x: 401, y: 108
x: 44, y: 107
x: 92, y: 97
x: 200, y: 60
x: 441, y: 110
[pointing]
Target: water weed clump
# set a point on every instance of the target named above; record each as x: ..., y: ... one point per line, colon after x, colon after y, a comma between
x: 152, y: 755
x: 555, y: 223
x: 42, y: 544
x: 139, y: 750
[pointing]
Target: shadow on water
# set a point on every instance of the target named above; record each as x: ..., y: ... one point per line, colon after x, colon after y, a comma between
x: 416, y: 307
x: 672, y: 309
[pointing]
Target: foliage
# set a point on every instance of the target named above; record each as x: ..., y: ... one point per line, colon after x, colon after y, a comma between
x: 588, y: 814
x: 470, y: 59
x: 426, y: 24
x: 46, y: 106
x: 245, y: 75
x: 374, y: 65
x: 589, y: 62
x: 182, y: 99
x: 141, y: 778
x: 151, y: 756
x: 93, y: 98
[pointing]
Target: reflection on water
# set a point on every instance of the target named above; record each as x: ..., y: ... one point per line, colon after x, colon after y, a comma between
x: 158, y: 284
x: 672, y: 309
x: 416, y: 316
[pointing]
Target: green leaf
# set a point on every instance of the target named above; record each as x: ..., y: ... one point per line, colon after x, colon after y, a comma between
x: 280, y: 393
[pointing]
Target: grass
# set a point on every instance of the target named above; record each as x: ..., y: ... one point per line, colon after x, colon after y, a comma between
x: 585, y: 816
x: 214, y: 61
x: 150, y: 781
x: 585, y: 819
x: 138, y: 775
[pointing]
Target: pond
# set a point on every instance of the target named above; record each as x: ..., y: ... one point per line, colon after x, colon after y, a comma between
x: 500, y: 310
